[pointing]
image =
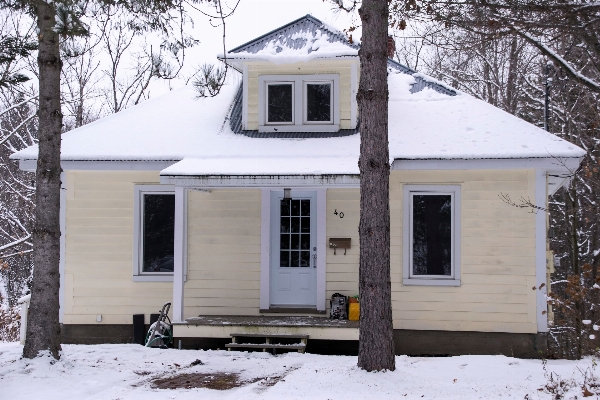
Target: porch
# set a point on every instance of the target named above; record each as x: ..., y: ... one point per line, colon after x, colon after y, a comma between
x: 318, y: 328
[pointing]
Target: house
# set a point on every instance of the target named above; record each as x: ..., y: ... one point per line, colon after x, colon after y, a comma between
x: 231, y: 208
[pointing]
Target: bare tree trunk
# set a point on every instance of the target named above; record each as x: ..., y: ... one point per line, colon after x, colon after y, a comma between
x: 376, y: 341
x: 43, y: 328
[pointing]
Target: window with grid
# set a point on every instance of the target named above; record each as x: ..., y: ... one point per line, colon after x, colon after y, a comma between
x: 295, y: 233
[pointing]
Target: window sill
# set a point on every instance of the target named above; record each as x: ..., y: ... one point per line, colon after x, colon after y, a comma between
x: 298, y: 128
x: 430, y: 282
x: 153, y: 278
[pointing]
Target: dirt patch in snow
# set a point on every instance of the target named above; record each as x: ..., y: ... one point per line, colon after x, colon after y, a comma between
x: 217, y: 381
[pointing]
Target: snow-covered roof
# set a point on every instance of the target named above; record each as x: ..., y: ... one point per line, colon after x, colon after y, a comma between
x: 425, y: 125
x: 301, y: 40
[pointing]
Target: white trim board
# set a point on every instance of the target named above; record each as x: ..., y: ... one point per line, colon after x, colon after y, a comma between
x: 82, y: 165
x: 540, y: 252
x: 63, y: 235
x: 265, y: 248
x: 137, y: 275
x: 564, y: 165
x: 321, y: 249
x: 180, y: 252
x: 455, y: 279
x: 262, y: 181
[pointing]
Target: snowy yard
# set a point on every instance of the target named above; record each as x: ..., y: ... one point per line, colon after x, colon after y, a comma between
x: 126, y: 372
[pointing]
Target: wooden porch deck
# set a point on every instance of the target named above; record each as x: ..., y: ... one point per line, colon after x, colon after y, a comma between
x: 221, y: 326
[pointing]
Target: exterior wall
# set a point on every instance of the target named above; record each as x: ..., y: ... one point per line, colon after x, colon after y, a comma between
x: 223, y: 253
x: 342, y: 270
x: 498, y: 255
x: 341, y: 67
x: 224, y: 231
x: 497, y: 260
x: 99, y: 250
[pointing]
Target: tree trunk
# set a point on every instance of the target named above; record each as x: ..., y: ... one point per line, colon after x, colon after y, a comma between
x: 43, y: 328
x: 376, y: 341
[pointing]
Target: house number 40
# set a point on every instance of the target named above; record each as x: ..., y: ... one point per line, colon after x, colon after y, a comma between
x: 341, y: 214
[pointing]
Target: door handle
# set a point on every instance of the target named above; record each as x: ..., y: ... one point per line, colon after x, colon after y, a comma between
x: 315, y: 260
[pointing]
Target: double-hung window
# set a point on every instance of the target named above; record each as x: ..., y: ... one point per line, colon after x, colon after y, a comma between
x: 154, y: 233
x: 431, y: 235
x: 299, y: 103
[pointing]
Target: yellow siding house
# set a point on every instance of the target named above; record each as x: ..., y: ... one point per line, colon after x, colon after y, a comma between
x: 242, y: 210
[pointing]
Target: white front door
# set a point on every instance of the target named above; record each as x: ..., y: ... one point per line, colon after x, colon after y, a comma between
x: 293, y: 269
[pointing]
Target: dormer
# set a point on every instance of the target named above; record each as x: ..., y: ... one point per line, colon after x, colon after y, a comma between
x: 302, y: 77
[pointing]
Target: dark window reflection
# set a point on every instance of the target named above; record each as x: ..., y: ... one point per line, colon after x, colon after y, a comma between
x: 158, y: 232
x: 279, y: 107
x: 318, y: 102
x: 432, y: 234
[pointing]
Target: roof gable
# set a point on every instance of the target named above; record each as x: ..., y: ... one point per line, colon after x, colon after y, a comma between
x: 296, y: 35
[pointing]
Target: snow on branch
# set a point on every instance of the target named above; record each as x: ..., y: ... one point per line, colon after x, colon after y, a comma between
x: 15, y: 243
x: 18, y: 105
x: 577, y: 76
x: 5, y: 138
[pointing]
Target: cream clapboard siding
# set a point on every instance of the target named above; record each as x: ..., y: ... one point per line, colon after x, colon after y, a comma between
x: 498, y: 255
x: 342, y: 270
x: 223, y: 253
x: 341, y: 67
x: 497, y: 260
x: 99, y: 250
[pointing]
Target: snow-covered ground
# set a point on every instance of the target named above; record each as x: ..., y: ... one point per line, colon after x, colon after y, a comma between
x: 124, y: 372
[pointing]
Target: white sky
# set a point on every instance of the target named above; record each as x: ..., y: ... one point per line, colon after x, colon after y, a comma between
x: 251, y: 19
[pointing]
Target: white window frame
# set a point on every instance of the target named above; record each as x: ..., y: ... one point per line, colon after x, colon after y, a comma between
x: 407, y: 227
x: 138, y: 274
x: 299, y: 103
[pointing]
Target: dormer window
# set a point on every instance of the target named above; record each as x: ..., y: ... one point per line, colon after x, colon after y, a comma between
x: 299, y: 103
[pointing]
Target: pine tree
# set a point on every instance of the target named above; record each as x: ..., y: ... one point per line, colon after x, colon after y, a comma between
x: 376, y: 341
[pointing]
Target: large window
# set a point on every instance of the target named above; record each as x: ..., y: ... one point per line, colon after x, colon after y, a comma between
x: 432, y: 235
x: 296, y: 103
x: 154, y: 232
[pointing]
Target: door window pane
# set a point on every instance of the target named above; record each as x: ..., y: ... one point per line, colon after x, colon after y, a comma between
x: 305, y: 258
x: 295, y: 259
x: 318, y: 102
x: 295, y: 224
x: 432, y: 234
x: 294, y: 246
x: 284, y: 259
x: 304, y: 242
x: 158, y: 232
x: 279, y: 103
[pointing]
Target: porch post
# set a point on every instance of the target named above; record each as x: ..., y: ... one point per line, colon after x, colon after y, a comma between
x: 180, y: 251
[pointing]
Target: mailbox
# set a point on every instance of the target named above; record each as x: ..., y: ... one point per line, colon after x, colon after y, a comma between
x: 339, y: 243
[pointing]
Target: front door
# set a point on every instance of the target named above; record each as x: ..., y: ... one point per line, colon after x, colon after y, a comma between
x: 293, y: 250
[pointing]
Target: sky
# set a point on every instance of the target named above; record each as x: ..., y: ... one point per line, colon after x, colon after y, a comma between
x: 251, y: 19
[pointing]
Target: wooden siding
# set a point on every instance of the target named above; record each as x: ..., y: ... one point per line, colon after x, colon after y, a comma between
x: 341, y: 67
x: 498, y: 255
x: 99, y: 250
x: 497, y: 243
x: 223, y: 253
x: 497, y: 260
x: 342, y: 270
